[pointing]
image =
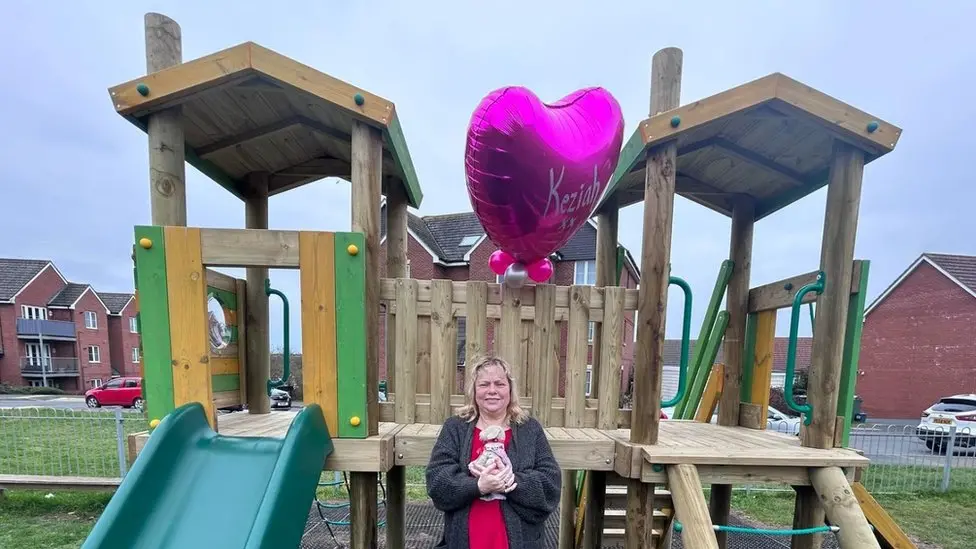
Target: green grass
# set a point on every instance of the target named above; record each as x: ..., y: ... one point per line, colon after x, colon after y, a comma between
x: 62, y: 442
x: 30, y: 519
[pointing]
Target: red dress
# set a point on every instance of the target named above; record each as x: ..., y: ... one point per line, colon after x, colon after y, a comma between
x: 486, y: 524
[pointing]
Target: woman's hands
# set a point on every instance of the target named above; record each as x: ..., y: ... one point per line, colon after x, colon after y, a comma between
x: 494, y: 478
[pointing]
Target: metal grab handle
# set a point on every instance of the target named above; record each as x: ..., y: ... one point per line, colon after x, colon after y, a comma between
x: 685, y: 343
x: 286, y: 369
x: 807, y: 409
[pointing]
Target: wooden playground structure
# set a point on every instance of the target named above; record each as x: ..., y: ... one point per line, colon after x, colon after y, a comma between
x: 260, y: 124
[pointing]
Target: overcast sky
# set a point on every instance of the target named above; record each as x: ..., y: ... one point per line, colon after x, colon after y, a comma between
x: 75, y: 176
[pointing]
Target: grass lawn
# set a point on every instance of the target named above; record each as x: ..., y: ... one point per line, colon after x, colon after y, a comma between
x: 30, y: 519
x: 43, y: 441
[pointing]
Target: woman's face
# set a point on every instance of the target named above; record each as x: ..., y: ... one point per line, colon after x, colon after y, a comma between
x: 491, y: 390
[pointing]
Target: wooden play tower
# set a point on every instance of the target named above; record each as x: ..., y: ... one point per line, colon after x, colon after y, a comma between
x: 259, y: 123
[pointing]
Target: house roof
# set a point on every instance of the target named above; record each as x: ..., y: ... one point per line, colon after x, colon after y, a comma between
x: 444, y: 236
x: 68, y: 295
x: 15, y: 274
x: 672, y: 353
x: 960, y: 269
x: 115, y: 301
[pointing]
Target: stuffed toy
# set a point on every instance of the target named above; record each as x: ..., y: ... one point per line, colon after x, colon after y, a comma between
x: 494, y: 451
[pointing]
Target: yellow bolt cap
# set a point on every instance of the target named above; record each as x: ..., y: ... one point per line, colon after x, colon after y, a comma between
x: 352, y: 249
x: 145, y: 243
x: 354, y: 421
x: 154, y: 423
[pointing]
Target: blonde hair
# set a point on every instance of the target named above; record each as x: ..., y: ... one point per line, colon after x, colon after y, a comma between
x: 470, y: 411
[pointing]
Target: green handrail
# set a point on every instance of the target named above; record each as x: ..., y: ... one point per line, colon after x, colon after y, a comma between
x: 685, y: 342
x: 807, y: 409
x: 286, y: 369
x: 767, y: 531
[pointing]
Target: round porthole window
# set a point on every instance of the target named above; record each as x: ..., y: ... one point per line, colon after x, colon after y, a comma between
x: 217, y: 324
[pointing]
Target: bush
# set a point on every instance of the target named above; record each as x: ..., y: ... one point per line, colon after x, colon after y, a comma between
x: 295, y: 378
x: 7, y: 389
x: 777, y: 399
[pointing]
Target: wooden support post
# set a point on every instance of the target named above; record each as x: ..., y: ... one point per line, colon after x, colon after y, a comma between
x: 807, y: 513
x: 257, y: 335
x: 396, y: 267
x: 167, y: 171
x: 690, y: 507
x: 842, y: 508
x: 836, y: 262
x: 363, y: 508
x: 639, y: 531
x: 655, y: 254
x: 367, y: 169
x: 396, y: 262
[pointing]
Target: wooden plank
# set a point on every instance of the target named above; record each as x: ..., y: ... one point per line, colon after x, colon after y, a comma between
x: 225, y: 383
x: 221, y: 281
x: 780, y: 294
x: 367, y: 171
x: 406, y: 351
x: 752, y: 416
x: 320, y: 384
x: 227, y: 398
x: 190, y: 345
x: 737, y: 302
x: 476, y: 332
x: 714, y: 387
x: 224, y: 365
x: 507, y: 335
x: 762, y: 373
x: 752, y: 475
x: 171, y: 86
x: 396, y: 265
x: 350, y: 329
x: 494, y: 296
x: 443, y: 352
x: 544, y: 367
x: 154, y: 323
x: 852, y: 349
x: 577, y: 348
x: 830, y: 324
x: 250, y: 248
x: 611, y: 356
x: 55, y: 483
x: 884, y: 525
x: 242, y: 336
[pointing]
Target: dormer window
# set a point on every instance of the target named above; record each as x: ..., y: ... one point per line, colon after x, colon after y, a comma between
x: 469, y: 240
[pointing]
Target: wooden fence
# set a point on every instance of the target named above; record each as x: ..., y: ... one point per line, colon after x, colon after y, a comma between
x: 423, y: 321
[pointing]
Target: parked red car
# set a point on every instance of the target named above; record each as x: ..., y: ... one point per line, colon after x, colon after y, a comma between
x: 118, y: 391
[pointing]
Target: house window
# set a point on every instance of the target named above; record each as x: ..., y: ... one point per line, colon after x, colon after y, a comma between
x: 584, y: 272
x: 407, y: 274
x: 94, y: 354
x: 469, y: 240
x: 589, y: 378
x: 133, y: 325
x: 135, y: 355
x: 91, y: 320
x: 590, y: 332
x: 32, y: 312
x: 95, y: 383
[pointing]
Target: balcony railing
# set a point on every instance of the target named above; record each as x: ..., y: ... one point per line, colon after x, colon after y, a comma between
x: 53, y: 329
x: 66, y: 366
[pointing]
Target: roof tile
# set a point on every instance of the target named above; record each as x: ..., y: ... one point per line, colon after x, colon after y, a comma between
x: 16, y: 273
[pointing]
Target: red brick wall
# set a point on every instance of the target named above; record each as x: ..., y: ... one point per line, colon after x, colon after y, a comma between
x: 37, y: 294
x: 98, y: 337
x: 122, y: 341
x: 918, y: 345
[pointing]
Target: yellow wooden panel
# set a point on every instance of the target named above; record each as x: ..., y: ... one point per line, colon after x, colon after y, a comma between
x: 224, y: 365
x: 762, y: 371
x: 187, y: 287
x: 884, y: 525
x: 711, y: 394
x: 316, y: 252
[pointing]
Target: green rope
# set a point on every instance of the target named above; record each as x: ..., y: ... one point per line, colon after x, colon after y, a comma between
x: 768, y: 532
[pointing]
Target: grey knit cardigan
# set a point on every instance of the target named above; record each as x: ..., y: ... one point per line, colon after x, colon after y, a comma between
x: 452, y: 487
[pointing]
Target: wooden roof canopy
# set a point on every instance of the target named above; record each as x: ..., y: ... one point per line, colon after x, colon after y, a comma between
x: 770, y: 139
x: 248, y: 109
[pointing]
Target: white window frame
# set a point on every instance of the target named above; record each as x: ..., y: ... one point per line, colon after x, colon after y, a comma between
x: 591, y: 332
x: 93, y: 317
x: 470, y: 240
x: 133, y: 325
x: 94, y: 354
x: 135, y: 355
x: 588, y: 380
x: 33, y: 312
x: 587, y: 269
x: 95, y: 383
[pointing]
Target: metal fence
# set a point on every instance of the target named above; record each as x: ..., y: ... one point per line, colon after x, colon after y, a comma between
x: 66, y: 442
x: 905, y: 461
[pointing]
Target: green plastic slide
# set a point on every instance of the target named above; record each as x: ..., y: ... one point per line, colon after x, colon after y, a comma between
x: 191, y: 487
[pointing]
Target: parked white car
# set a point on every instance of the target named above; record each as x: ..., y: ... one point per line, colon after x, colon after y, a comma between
x: 775, y: 421
x: 937, y: 420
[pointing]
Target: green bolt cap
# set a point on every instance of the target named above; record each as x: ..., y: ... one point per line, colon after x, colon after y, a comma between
x: 359, y: 99
x: 142, y: 89
x: 675, y: 121
x: 872, y: 126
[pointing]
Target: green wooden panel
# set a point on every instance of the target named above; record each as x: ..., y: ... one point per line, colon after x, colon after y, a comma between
x: 157, y: 360
x: 227, y: 299
x: 225, y: 382
x: 748, y: 360
x: 630, y: 154
x: 852, y: 351
x: 350, y: 304
x: 398, y: 146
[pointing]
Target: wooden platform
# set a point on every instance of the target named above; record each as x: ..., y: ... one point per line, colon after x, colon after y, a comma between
x: 727, y: 455
x: 769, y: 139
x: 249, y: 109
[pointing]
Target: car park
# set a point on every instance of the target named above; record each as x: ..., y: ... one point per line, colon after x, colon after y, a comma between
x: 950, y: 420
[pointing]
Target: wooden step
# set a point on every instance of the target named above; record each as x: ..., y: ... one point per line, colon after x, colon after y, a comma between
x: 617, y: 518
x: 616, y: 534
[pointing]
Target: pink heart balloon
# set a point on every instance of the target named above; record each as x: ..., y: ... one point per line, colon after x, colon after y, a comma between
x: 535, y: 171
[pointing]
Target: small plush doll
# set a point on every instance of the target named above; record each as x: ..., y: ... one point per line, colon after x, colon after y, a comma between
x: 494, y: 439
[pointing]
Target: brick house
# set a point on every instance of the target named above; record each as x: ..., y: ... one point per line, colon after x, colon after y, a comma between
x: 918, y: 342
x: 53, y: 331
x: 123, y: 333
x: 455, y: 247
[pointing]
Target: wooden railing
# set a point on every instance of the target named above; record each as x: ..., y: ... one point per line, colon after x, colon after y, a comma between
x: 527, y: 325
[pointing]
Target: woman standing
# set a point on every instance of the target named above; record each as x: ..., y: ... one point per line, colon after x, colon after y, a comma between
x: 505, y: 503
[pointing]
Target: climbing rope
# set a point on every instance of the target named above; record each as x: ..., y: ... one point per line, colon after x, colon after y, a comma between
x: 766, y: 531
